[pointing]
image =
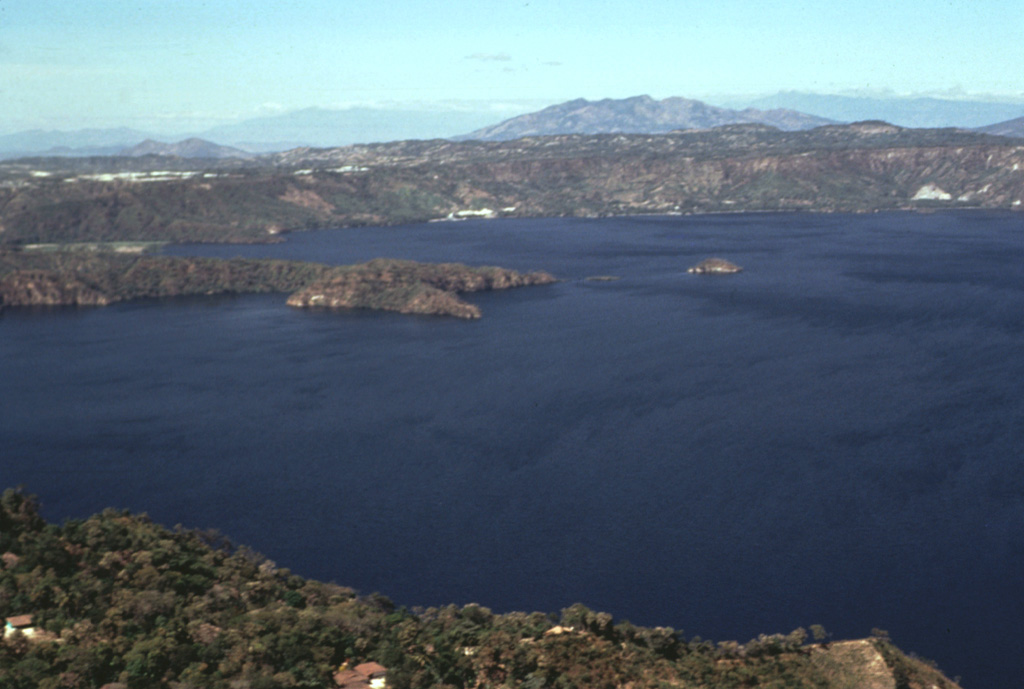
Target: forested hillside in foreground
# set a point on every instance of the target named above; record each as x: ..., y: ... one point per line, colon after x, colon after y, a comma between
x: 118, y: 600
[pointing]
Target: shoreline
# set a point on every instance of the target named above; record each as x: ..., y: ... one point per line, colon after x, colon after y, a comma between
x: 283, y: 234
x: 87, y: 277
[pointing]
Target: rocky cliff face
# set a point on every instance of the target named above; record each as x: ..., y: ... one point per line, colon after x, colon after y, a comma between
x: 874, y: 664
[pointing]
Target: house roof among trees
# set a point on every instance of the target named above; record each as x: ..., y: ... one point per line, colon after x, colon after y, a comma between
x: 371, y: 669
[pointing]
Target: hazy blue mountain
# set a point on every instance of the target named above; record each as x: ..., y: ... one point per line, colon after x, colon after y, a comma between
x: 642, y: 114
x: 322, y: 127
x: 308, y: 127
x: 637, y: 115
x: 188, y: 148
x: 906, y: 112
x: 81, y: 142
x: 1014, y: 127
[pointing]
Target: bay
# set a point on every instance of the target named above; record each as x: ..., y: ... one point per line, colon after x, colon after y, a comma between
x: 833, y: 436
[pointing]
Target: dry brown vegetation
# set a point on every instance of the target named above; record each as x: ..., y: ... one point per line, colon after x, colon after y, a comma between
x: 855, y: 168
x: 97, y: 278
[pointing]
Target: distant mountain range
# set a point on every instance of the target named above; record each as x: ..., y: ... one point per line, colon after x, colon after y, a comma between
x: 905, y: 112
x: 309, y: 127
x: 638, y: 115
x: 318, y: 127
x: 82, y: 142
x: 323, y: 128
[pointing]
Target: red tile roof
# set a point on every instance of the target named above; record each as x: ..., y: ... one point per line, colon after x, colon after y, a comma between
x: 371, y: 669
x: 350, y: 679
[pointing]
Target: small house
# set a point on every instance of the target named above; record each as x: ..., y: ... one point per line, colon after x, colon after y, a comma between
x: 21, y: 623
x: 374, y: 673
x: 364, y: 675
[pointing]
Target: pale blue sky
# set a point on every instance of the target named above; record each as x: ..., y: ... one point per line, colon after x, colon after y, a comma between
x: 177, y: 64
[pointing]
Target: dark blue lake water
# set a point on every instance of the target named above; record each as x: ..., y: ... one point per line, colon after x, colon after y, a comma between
x: 834, y: 436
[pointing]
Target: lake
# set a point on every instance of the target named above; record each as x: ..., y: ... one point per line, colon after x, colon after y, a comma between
x: 833, y: 436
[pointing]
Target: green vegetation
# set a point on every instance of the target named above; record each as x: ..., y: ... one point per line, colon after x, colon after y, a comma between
x: 117, y: 598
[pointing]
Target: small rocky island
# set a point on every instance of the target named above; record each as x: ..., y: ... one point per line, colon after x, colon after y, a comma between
x: 714, y: 265
x: 98, y: 278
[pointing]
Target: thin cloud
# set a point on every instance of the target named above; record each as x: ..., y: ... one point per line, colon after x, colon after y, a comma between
x: 490, y: 57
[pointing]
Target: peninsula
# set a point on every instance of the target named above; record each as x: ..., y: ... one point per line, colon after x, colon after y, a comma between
x: 98, y: 278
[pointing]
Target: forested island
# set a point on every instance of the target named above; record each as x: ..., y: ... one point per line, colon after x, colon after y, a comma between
x: 94, y: 277
x: 120, y: 602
